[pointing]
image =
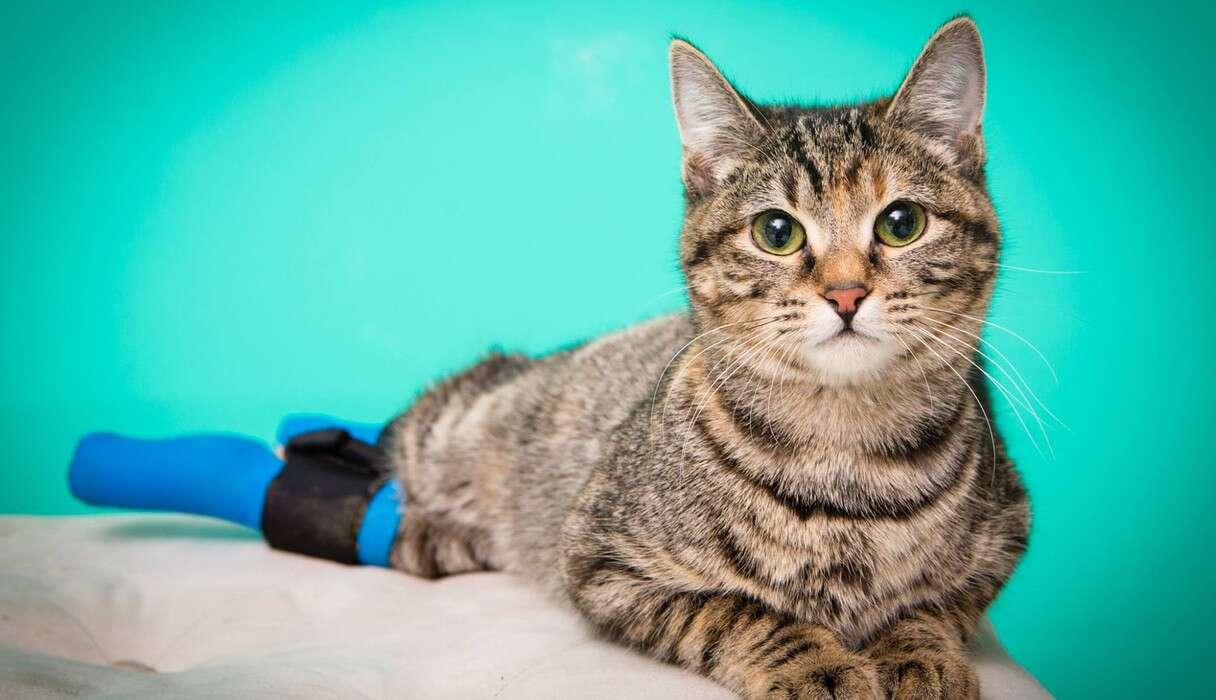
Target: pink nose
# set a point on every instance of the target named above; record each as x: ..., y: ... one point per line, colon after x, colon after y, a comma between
x: 846, y: 297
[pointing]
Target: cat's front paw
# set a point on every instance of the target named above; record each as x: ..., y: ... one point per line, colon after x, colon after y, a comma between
x: 929, y: 675
x: 836, y: 677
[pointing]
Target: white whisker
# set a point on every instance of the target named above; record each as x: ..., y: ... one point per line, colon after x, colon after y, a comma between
x: 924, y: 375
x: 755, y: 383
x: 654, y: 396
x: 686, y: 365
x: 978, y: 403
x: 715, y: 384
x: 999, y: 327
x: 668, y: 293
x: 1011, y: 364
x: 1014, y: 402
x: 1039, y: 272
x: 783, y: 373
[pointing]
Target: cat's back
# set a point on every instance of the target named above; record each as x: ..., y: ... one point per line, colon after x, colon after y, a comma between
x: 590, y: 389
x: 511, y: 440
x: 569, y: 394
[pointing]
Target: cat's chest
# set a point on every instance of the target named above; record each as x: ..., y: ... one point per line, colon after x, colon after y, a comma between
x: 849, y: 574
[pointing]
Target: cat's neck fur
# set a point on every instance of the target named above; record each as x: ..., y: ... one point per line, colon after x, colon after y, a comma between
x: 818, y: 412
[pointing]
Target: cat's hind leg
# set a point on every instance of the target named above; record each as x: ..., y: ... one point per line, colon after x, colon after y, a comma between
x: 448, y: 451
x: 429, y: 548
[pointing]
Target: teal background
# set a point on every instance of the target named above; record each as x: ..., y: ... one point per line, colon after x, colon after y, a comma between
x: 212, y: 216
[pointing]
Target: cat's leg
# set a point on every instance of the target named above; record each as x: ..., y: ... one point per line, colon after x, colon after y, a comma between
x: 736, y: 641
x: 925, y: 656
x: 442, y: 530
x: 447, y: 452
x: 427, y: 547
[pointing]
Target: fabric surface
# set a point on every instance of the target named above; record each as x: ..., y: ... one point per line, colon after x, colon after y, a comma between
x: 156, y: 606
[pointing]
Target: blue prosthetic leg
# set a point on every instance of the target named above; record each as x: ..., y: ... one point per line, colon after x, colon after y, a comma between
x: 331, y: 497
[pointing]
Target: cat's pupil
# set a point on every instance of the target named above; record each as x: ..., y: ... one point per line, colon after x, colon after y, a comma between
x: 777, y: 231
x: 901, y: 222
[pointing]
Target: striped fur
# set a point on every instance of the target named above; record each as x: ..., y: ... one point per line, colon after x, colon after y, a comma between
x: 745, y: 490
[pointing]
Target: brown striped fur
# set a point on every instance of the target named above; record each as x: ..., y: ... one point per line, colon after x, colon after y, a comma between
x: 745, y: 490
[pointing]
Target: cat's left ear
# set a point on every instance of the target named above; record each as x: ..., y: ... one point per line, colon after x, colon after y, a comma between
x: 942, y: 97
x: 718, y: 126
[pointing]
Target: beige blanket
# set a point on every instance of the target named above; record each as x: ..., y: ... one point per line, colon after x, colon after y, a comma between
x: 161, y: 606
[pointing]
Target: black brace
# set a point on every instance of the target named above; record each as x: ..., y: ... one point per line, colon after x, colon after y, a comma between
x: 315, y: 505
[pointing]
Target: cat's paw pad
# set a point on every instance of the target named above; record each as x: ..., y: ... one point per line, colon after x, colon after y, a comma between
x: 836, y: 678
x: 929, y: 676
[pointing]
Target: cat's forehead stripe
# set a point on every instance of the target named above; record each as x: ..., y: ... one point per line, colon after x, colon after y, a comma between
x: 829, y: 150
x: 878, y: 181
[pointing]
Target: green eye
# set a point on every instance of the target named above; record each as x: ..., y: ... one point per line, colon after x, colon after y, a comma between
x: 900, y: 223
x: 778, y: 233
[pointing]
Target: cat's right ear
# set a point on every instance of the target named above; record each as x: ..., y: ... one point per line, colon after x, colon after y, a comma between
x: 942, y: 97
x: 717, y: 124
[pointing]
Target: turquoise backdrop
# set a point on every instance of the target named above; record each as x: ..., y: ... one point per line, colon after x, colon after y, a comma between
x: 216, y: 213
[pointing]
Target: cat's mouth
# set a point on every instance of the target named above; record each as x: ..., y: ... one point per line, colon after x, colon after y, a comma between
x: 849, y: 334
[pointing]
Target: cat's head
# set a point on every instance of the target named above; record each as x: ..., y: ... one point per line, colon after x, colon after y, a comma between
x: 841, y: 235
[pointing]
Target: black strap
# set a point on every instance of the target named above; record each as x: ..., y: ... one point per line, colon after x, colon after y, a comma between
x: 316, y: 504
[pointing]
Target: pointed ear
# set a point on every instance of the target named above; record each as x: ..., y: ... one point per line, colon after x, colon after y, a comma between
x: 942, y: 96
x: 717, y: 124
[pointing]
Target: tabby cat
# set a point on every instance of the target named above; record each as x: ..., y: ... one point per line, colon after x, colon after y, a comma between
x: 794, y: 488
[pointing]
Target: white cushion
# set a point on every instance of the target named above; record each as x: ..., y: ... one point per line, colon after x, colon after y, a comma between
x: 155, y: 606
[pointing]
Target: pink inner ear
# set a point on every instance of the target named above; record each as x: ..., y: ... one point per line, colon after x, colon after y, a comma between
x: 715, y: 122
x: 698, y: 175
x: 943, y: 94
x: 971, y: 105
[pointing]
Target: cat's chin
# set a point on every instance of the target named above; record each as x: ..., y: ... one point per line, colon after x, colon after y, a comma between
x: 850, y: 357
